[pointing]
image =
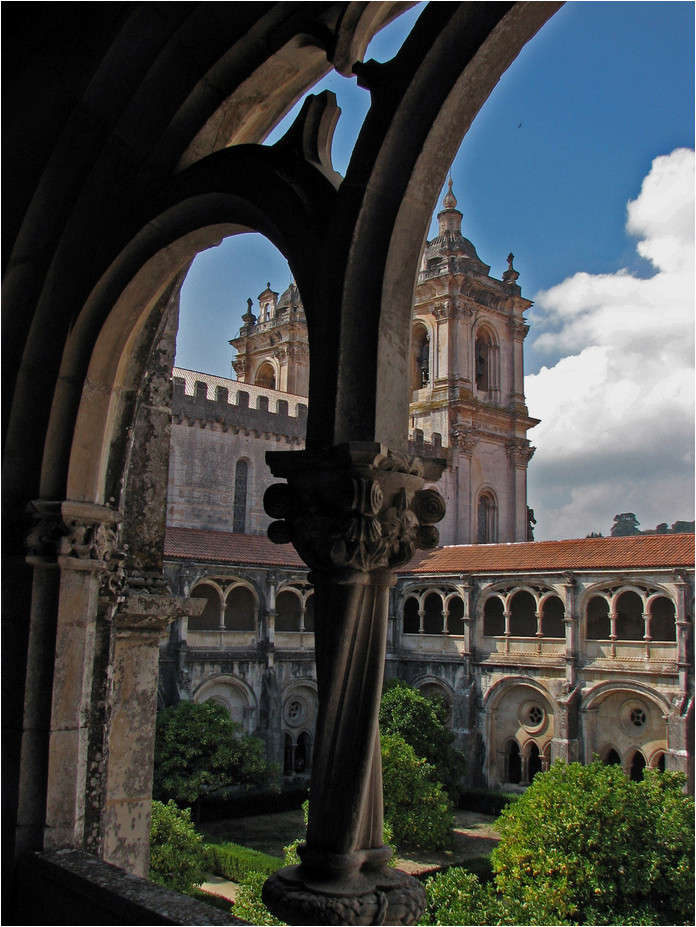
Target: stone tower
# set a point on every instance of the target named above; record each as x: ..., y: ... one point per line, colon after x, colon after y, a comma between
x: 467, y: 399
x: 273, y: 350
x: 468, y: 385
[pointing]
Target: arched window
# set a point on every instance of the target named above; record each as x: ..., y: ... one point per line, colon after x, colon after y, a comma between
x: 483, y: 363
x: 420, y: 357
x: 487, y: 529
x: 662, y: 624
x: 309, y: 613
x: 637, y: 766
x: 514, y: 763
x: 210, y: 619
x: 303, y: 753
x: 493, y: 617
x: 612, y: 758
x: 523, y: 621
x: 240, y: 614
x: 659, y: 762
x: 598, y: 625
x: 240, y: 497
x: 630, y: 625
x: 288, y: 609
x: 289, y: 756
x: 455, y: 616
x: 552, y: 617
x: 411, y: 618
x: 265, y: 376
x: 432, y: 620
x: 533, y: 762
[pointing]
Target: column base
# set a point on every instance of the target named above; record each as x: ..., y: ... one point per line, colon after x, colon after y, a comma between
x: 372, y: 896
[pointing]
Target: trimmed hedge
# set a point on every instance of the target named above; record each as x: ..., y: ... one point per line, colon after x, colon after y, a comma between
x: 483, y: 801
x: 248, y: 802
x: 215, y: 901
x: 234, y: 862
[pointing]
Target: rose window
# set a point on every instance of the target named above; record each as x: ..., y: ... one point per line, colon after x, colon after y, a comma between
x: 536, y: 715
x: 638, y: 717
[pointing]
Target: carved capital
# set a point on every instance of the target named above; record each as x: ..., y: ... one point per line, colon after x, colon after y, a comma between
x: 152, y: 614
x: 465, y: 438
x: 79, y: 534
x: 357, y: 507
x: 520, y: 452
x: 518, y: 329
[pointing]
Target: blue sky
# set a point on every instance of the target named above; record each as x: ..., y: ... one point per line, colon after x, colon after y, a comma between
x: 568, y: 138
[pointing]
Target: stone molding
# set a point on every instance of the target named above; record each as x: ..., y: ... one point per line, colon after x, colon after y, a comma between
x: 465, y: 438
x: 81, y: 535
x: 520, y: 452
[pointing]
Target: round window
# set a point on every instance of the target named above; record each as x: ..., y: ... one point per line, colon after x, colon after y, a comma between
x: 634, y: 717
x: 532, y: 715
x: 295, y: 711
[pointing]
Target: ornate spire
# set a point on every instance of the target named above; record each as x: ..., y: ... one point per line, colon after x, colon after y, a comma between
x: 510, y: 276
x: 450, y: 200
x: 249, y: 318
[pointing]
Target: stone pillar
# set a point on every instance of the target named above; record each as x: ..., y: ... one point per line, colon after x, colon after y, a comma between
x: 78, y: 540
x: 140, y: 621
x: 354, y: 513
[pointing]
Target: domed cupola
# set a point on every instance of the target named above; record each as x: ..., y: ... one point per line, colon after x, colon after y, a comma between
x: 290, y: 299
x: 450, y: 243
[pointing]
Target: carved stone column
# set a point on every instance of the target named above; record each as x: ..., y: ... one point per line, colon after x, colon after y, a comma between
x: 354, y: 513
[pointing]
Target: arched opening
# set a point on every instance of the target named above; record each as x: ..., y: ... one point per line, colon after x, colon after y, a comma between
x: 552, y: 617
x: 514, y: 763
x: 240, y: 497
x: 493, y: 617
x: 455, y: 615
x: 598, y: 623
x: 637, y: 766
x: 659, y: 762
x: 288, y: 755
x: 612, y: 758
x: 265, y: 377
x: 420, y: 357
x: 484, y: 362
x: 523, y: 622
x: 663, y: 626
x: 303, y: 754
x: 288, y: 611
x: 534, y: 764
x: 432, y: 619
x: 487, y: 519
x: 240, y: 614
x: 209, y: 620
x: 411, y: 617
x: 630, y: 625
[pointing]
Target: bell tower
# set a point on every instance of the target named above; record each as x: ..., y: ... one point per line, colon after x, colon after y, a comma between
x: 467, y: 384
x: 273, y: 349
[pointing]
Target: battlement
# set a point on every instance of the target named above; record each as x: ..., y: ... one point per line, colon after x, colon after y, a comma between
x: 419, y: 447
x: 205, y: 400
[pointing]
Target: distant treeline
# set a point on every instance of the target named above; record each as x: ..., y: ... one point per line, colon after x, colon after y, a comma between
x: 627, y: 525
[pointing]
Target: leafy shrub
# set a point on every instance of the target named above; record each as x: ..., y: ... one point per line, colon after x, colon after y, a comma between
x: 415, y: 805
x: 421, y: 720
x: 234, y: 862
x: 585, y: 845
x: 248, y: 904
x: 199, y: 748
x: 177, y: 853
x: 457, y: 897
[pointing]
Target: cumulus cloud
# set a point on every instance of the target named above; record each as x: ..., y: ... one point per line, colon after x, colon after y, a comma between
x: 617, y: 408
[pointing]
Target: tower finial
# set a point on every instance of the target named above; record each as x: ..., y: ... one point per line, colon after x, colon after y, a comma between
x: 450, y: 200
x: 249, y: 318
x: 510, y: 275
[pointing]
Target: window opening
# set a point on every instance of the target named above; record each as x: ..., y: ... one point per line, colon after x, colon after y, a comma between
x: 266, y: 377
x: 209, y: 620
x: 534, y: 761
x: 523, y: 621
x: 493, y: 617
x: 483, y: 358
x: 288, y: 608
x: 637, y: 766
x: 514, y: 763
x: 432, y: 620
x: 240, y: 614
x: 455, y: 616
x: 553, y: 615
x: 411, y: 618
x: 487, y: 518
x: 240, y: 497
x: 630, y: 625
x: 662, y: 620
x: 598, y: 624
x: 612, y: 758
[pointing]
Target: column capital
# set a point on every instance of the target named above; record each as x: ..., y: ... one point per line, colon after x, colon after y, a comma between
x: 152, y: 614
x: 82, y: 535
x: 355, y: 506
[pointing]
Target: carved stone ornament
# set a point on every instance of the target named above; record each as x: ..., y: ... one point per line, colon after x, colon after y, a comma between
x: 372, y: 516
x: 73, y: 530
x: 465, y: 438
x: 520, y: 452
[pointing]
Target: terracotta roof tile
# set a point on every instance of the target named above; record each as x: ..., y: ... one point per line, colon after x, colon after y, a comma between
x: 641, y: 552
x: 226, y: 547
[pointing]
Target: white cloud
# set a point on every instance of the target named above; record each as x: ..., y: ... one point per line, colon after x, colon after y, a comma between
x: 617, y: 409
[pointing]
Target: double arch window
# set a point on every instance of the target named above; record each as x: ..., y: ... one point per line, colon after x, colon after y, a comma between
x: 630, y: 616
x: 522, y: 614
x: 433, y: 612
x: 229, y: 607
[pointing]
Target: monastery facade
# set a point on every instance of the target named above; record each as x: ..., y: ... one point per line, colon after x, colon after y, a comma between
x: 570, y: 649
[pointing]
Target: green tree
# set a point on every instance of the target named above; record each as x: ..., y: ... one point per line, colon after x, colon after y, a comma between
x: 457, y: 897
x: 625, y: 525
x: 415, y: 805
x: 199, y: 748
x: 177, y: 852
x: 421, y: 720
x: 586, y: 845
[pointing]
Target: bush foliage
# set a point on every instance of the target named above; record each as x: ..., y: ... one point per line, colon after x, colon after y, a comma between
x: 421, y: 720
x: 415, y: 805
x: 199, y: 748
x: 177, y: 854
x: 235, y: 862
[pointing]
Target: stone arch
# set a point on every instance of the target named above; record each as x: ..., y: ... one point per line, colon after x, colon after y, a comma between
x: 522, y: 605
x: 597, y: 622
x: 486, y: 365
x: 288, y: 609
x: 421, y: 351
x: 629, y: 606
x: 662, y: 625
x: 209, y: 619
x: 516, y: 709
x: 267, y: 374
x: 493, y: 615
x: 552, y: 616
x: 242, y: 607
x: 430, y: 686
x: 486, y: 510
x: 235, y: 694
x: 454, y: 605
x: 411, y: 618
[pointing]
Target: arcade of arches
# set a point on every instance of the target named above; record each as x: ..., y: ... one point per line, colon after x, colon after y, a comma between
x: 133, y: 141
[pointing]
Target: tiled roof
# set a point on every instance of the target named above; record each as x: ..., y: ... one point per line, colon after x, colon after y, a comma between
x: 226, y: 547
x: 641, y: 552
